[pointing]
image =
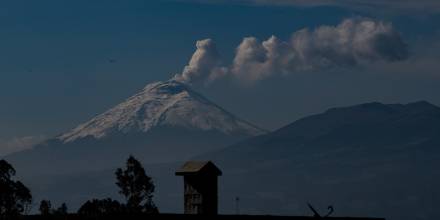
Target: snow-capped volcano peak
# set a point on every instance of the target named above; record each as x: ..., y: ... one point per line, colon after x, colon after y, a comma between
x: 169, y: 103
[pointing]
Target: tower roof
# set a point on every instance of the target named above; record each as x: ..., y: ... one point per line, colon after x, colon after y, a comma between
x: 198, y: 167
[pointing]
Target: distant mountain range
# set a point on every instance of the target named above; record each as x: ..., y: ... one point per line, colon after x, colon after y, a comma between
x: 166, y: 121
x: 366, y: 160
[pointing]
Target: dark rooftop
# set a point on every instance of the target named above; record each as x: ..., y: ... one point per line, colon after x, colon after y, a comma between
x: 197, y: 167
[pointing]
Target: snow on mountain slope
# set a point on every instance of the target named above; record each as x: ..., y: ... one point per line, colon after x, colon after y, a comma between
x: 167, y: 103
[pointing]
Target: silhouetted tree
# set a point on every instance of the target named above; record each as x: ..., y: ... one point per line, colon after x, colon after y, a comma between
x: 136, y: 187
x: 62, y: 210
x: 15, y: 198
x: 102, y: 207
x: 45, y: 207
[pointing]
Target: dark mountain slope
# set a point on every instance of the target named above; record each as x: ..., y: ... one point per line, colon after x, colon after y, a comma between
x: 365, y: 160
x: 369, y: 159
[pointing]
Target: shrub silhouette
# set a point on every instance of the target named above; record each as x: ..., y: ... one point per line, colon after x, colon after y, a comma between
x: 15, y: 198
x: 96, y: 207
x: 62, y: 210
x: 45, y: 207
x: 136, y: 187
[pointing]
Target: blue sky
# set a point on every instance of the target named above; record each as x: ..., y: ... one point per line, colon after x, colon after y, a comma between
x: 62, y: 62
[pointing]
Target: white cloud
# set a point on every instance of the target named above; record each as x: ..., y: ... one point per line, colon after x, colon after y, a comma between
x: 353, y: 42
x: 19, y: 144
x: 204, y: 66
x: 255, y: 61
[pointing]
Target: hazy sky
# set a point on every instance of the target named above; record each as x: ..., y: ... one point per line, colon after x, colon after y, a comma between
x: 62, y: 62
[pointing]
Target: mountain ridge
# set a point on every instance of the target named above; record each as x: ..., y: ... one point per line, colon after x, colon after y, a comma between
x: 373, y: 112
x: 162, y: 103
x: 163, y: 117
x: 360, y: 168
x: 371, y: 159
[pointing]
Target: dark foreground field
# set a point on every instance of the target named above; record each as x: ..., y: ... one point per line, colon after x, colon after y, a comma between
x: 187, y: 217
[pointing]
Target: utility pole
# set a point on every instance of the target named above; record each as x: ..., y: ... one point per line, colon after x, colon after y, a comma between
x: 237, y: 205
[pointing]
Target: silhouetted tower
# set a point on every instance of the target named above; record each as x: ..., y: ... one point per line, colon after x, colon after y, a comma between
x: 201, y: 188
